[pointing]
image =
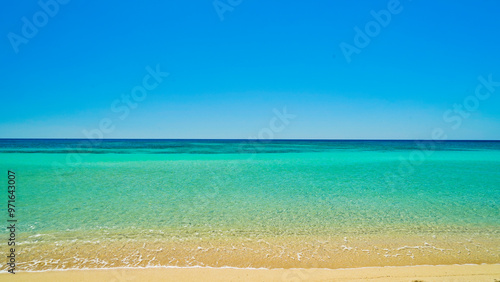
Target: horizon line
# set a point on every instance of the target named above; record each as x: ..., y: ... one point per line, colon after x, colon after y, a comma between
x: 263, y: 140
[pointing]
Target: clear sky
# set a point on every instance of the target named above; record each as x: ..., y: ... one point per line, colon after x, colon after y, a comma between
x: 342, y: 68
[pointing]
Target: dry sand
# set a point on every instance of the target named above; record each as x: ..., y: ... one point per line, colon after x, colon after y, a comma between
x: 484, y: 272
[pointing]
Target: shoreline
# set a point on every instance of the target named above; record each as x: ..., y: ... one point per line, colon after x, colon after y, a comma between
x: 301, y: 252
x: 247, y: 268
x: 457, y: 272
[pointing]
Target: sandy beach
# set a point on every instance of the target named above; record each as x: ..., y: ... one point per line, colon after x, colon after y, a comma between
x: 287, y: 252
x: 484, y: 272
x: 232, y: 140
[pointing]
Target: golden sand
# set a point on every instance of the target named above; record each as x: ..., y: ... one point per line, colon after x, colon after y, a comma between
x: 490, y: 273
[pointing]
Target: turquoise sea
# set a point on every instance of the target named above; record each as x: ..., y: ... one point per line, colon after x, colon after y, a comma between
x: 200, y: 192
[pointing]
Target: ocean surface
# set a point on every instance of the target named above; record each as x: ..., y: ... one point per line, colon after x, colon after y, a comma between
x: 280, y: 203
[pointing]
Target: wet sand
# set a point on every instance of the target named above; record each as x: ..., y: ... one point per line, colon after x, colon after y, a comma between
x: 262, y: 252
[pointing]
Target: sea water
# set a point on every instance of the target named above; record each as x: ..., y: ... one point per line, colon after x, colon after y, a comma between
x: 233, y: 190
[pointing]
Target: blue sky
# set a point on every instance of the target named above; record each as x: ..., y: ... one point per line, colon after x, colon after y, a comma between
x: 230, y: 71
